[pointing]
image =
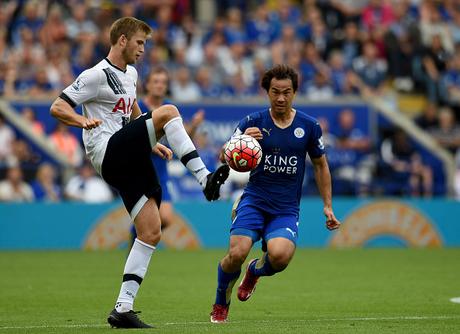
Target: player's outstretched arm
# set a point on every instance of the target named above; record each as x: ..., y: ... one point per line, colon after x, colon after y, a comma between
x: 323, y: 181
x: 63, y: 111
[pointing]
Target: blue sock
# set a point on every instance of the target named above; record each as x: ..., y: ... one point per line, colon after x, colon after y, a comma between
x: 262, y: 267
x: 225, y: 283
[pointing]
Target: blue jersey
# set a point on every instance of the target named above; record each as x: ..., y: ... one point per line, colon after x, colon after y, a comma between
x: 276, y: 184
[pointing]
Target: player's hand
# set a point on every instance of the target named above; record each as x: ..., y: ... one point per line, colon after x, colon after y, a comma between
x: 89, y: 124
x: 332, y: 223
x: 162, y: 151
x: 254, y: 132
x: 221, y: 156
x: 198, y: 118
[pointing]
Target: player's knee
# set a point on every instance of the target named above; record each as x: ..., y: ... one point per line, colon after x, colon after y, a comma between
x: 237, y: 256
x: 150, y: 237
x: 167, y: 112
x: 279, y: 260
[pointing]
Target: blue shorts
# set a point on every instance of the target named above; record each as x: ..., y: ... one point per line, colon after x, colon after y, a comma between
x: 256, y: 223
x: 162, y: 172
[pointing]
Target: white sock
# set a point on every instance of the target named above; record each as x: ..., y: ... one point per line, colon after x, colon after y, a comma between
x: 183, y: 147
x: 133, y: 274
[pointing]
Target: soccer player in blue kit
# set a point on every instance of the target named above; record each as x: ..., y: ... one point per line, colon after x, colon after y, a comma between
x: 269, y: 206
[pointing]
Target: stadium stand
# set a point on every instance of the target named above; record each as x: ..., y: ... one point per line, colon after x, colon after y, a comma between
x: 392, y: 59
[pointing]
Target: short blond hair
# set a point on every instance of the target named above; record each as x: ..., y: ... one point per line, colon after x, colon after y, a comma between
x: 127, y: 26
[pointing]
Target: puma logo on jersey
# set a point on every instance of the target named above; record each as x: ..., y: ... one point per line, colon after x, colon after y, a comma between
x: 267, y: 131
x: 291, y: 231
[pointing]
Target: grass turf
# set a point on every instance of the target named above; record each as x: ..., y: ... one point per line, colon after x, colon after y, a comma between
x: 322, y: 291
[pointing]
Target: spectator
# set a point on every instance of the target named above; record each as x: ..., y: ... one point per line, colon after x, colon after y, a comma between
x: 7, y: 137
x: 287, y: 44
x: 234, y: 61
x: 448, y: 132
x: 457, y: 178
x: 320, y: 37
x: 67, y: 144
x: 13, y: 188
x: 311, y: 64
x: 29, y: 116
x: 349, y: 43
x: 80, y: 28
x: 54, y: 29
x: 211, y: 61
x: 431, y: 24
x: 341, y: 162
x: 428, y: 68
x: 340, y: 75
x: 23, y: 156
x: 30, y: 18
x: 429, y: 117
x: 450, y: 89
x: 350, y: 10
x: 235, y: 28
x: 454, y: 24
x: 320, y: 89
x: 370, y: 70
x: 45, y: 186
x: 87, y: 187
x: 401, y: 41
x: 183, y: 88
x: 208, y: 88
x: 356, y: 146
x: 40, y: 86
x: 405, y: 164
x: 262, y: 29
x: 377, y: 14
x: 84, y: 59
x: 349, y: 136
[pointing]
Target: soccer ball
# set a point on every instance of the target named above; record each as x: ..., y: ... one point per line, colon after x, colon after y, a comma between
x: 243, y: 153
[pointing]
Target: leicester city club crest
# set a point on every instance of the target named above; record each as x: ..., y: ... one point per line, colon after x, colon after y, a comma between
x: 299, y: 132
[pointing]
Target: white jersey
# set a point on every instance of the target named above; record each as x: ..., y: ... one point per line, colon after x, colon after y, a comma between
x: 107, y: 93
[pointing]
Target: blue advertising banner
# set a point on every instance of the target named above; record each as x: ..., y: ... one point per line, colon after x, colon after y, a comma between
x: 221, y: 119
x: 366, y: 223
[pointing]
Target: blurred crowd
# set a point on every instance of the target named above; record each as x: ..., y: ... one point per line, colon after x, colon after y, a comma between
x: 339, y: 47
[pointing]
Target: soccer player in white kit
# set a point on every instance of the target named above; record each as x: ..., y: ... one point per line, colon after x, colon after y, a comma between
x: 119, y: 141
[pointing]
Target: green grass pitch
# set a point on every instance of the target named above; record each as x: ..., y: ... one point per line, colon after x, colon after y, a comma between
x: 322, y: 291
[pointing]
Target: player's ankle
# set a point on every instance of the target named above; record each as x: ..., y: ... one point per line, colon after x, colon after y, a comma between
x: 123, y: 307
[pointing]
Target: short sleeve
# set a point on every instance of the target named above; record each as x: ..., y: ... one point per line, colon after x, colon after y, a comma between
x: 316, y: 144
x: 83, y: 89
x: 245, y: 123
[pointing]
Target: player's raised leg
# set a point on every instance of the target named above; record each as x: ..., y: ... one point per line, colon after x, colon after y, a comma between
x: 148, y: 229
x: 167, y: 121
x: 279, y: 253
x: 228, y: 271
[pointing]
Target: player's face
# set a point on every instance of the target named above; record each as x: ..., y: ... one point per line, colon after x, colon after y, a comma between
x: 157, y: 86
x: 281, y: 95
x: 134, y: 47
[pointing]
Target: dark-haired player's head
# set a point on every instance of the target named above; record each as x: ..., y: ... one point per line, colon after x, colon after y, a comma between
x: 280, y: 72
x: 281, y: 84
x: 129, y: 35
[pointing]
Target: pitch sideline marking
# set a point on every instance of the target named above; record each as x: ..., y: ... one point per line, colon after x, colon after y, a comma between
x: 239, y: 322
